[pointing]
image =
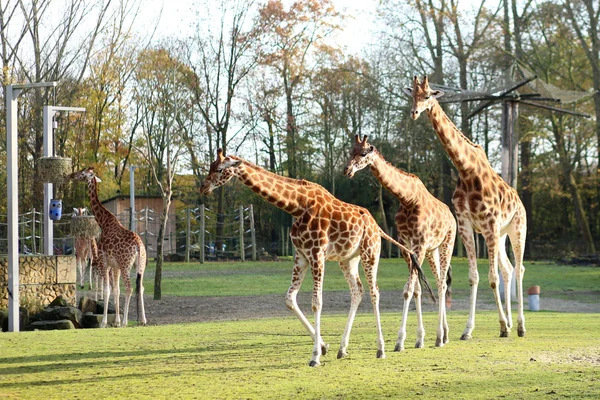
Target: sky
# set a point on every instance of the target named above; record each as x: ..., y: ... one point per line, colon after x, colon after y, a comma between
x: 177, y: 17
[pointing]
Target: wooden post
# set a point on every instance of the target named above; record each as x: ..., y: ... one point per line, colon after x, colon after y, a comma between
x: 282, y: 241
x: 252, y: 232
x: 187, y: 235
x: 202, y: 230
x: 242, y: 249
x: 510, y: 142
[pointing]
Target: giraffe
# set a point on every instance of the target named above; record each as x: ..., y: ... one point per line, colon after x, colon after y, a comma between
x: 118, y: 250
x: 83, y: 250
x: 324, y: 228
x: 484, y: 203
x: 425, y: 225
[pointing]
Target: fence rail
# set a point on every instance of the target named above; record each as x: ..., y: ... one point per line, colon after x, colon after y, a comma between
x: 194, y: 234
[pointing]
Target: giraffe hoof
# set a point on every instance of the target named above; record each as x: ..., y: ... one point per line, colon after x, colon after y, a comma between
x: 313, y: 363
x: 521, y: 332
x: 324, y: 348
x: 504, y: 334
x: 439, y: 342
x: 398, y: 347
x: 419, y: 345
x: 380, y: 354
x: 466, y: 336
x: 341, y: 354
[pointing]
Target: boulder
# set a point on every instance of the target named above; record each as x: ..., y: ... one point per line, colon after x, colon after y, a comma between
x: 87, y: 305
x: 59, y: 301
x: 94, y: 320
x: 100, y: 307
x: 61, y: 313
x: 51, y: 325
x: 4, y: 320
x: 23, y: 319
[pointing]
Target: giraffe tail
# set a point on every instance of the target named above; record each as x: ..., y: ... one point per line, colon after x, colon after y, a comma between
x: 448, y: 287
x: 414, y: 264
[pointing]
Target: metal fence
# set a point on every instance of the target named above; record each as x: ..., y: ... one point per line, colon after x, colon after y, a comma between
x: 194, y: 235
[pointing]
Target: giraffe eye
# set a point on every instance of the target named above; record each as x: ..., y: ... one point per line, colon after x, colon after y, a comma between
x: 427, y: 97
x: 364, y: 153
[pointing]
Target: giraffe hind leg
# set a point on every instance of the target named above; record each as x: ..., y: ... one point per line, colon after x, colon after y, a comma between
x: 350, y: 269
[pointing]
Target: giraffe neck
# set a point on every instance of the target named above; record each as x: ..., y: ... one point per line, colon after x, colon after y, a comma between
x: 104, y: 217
x: 400, y: 183
x: 465, y: 155
x: 288, y: 194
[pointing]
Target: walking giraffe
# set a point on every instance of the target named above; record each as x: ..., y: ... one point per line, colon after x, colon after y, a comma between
x: 118, y: 250
x: 325, y: 228
x: 425, y: 225
x: 484, y: 203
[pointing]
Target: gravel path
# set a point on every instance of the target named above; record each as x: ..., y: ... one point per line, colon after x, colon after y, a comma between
x: 172, y: 309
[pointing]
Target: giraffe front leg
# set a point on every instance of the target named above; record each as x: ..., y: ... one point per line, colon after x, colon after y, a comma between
x: 518, y: 232
x: 104, y: 322
x: 419, y: 344
x: 466, y: 232
x: 440, y: 279
x: 409, y: 289
x: 350, y: 269
x: 506, y: 269
x: 370, y: 261
x: 298, y: 274
x: 117, y: 294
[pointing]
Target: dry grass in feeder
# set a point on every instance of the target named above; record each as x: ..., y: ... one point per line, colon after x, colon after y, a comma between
x: 85, y: 225
x: 54, y: 169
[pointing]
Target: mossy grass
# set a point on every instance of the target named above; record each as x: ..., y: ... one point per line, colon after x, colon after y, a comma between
x: 268, y: 359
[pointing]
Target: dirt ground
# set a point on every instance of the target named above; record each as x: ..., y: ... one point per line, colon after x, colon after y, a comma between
x: 172, y: 310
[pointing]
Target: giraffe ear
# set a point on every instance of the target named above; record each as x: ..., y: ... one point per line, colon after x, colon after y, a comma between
x: 357, y: 138
x: 407, y: 91
x: 97, y: 179
x: 436, y: 93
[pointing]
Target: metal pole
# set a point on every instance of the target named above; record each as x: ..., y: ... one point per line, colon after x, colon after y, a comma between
x: 252, y: 232
x: 202, y: 229
x: 242, y: 249
x: 132, y: 221
x: 48, y: 116
x: 187, y: 235
x: 12, y: 189
x: 33, y: 235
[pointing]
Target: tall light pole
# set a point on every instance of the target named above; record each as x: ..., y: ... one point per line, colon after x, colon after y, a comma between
x: 132, y: 221
x: 12, y: 193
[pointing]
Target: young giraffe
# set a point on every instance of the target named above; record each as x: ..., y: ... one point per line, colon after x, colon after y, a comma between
x: 83, y: 251
x: 325, y: 228
x: 425, y: 225
x: 484, y: 203
x: 118, y: 250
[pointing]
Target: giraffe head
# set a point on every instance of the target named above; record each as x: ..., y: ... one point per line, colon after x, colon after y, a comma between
x: 78, y: 212
x: 85, y: 175
x: 361, y: 156
x: 221, y: 171
x: 422, y: 95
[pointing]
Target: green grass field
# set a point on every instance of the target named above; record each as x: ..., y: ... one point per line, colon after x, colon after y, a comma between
x: 268, y: 358
x: 259, y: 359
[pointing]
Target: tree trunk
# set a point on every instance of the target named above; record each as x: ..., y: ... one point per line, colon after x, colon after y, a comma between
x: 386, y: 229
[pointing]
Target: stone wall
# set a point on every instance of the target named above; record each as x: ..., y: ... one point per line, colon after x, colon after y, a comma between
x: 41, y: 279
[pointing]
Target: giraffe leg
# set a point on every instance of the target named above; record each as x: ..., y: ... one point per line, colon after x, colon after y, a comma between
x: 350, y: 269
x: 370, y: 260
x: 317, y: 263
x: 81, y: 272
x: 298, y: 273
x: 89, y: 267
x: 116, y: 294
x: 409, y: 291
x: 492, y: 240
x: 142, y: 311
x: 466, y: 233
x: 506, y: 269
x: 434, y: 261
x: 419, y: 344
x: 517, y: 232
x: 106, y: 299
x: 446, y: 250
x: 128, y: 292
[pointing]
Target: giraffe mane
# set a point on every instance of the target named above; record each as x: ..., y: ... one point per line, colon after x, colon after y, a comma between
x: 285, y: 179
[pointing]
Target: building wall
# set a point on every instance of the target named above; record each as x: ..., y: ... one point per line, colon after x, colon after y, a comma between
x: 41, y: 279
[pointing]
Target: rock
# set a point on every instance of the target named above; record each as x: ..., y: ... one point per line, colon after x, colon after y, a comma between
x: 60, y: 301
x: 87, y: 305
x: 93, y: 320
x: 23, y: 319
x: 51, y: 325
x: 100, y: 307
x: 61, y: 313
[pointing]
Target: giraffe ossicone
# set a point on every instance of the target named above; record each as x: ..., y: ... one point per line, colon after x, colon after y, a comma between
x: 324, y: 228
